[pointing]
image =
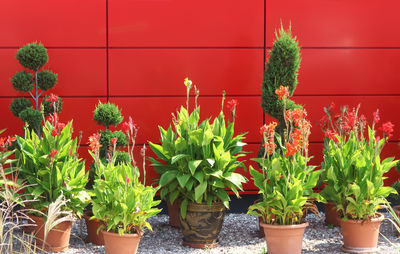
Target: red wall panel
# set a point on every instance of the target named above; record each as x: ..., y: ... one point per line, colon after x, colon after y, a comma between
x: 61, y: 23
x: 148, y: 113
x: 161, y: 71
x: 186, y: 23
x: 81, y: 72
x: 339, y: 23
x: 349, y: 71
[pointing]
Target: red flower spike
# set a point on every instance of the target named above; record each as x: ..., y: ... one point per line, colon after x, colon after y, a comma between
x: 291, y: 150
x: 387, y: 129
x: 53, y: 153
x: 376, y: 116
x: 143, y: 150
x: 114, y: 141
x: 94, y: 143
x: 127, y: 178
x: 125, y: 127
x: 282, y: 92
x: 331, y: 135
x: 232, y: 104
x: 52, y: 98
x: 54, y: 132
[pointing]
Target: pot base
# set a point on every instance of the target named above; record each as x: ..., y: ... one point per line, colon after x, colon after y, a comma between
x: 201, y: 245
x: 358, y: 250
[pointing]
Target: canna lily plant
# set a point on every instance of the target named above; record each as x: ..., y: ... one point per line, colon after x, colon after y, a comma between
x: 120, y: 199
x: 353, y: 171
x: 50, y: 166
x: 286, y: 181
x: 197, y: 160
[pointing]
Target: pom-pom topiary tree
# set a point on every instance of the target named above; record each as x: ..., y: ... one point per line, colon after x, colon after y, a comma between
x: 281, y: 70
x: 108, y: 115
x: 35, y: 81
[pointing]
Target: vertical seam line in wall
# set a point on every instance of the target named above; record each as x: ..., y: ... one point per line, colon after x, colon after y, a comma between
x: 264, y: 48
x: 107, y: 55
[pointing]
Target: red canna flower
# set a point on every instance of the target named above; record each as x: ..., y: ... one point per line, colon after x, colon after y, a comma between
x: 125, y: 127
x: 60, y: 126
x: 94, y: 142
x: 11, y: 139
x: 127, y: 178
x: 291, y: 150
x: 143, y: 150
x: 331, y: 135
x: 387, y: 129
x: 71, y: 152
x: 52, y: 99
x: 282, y: 92
x: 53, y: 153
x: 376, y: 116
x: 232, y: 105
x: 114, y: 141
x: 54, y: 132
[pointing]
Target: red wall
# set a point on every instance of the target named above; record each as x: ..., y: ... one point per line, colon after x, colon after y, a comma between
x: 136, y: 54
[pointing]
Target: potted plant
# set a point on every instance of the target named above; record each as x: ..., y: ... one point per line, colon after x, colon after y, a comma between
x: 197, y: 164
x: 285, y: 182
x: 120, y: 200
x: 50, y: 166
x: 354, y: 178
x: 107, y: 115
x: 33, y: 80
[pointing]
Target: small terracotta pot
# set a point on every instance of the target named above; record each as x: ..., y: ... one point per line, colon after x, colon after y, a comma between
x: 202, y: 224
x: 361, y: 236
x: 174, y: 213
x: 57, y: 239
x: 284, y: 239
x: 331, y: 214
x: 92, y: 226
x: 117, y: 244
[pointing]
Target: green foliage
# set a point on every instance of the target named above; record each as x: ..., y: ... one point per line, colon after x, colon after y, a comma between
x: 32, y: 117
x: 51, y: 168
x: 197, y: 162
x: 22, y: 81
x: 395, y: 197
x: 286, y: 188
x: 107, y: 135
x: 281, y: 70
x: 19, y: 104
x: 46, y: 79
x: 107, y: 114
x: 353, y: 174
x: 33, y: 56
x: 48, y: 110
x: 121, y: 157
x: 124, y: 205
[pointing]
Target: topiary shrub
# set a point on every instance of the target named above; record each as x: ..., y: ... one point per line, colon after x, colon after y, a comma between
x: 34, y: 81
x: 281, y: 70
x: 107, y: 114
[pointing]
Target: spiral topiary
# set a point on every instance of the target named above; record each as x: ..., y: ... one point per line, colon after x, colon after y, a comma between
x: 33, y: 57
x: 281, y: 70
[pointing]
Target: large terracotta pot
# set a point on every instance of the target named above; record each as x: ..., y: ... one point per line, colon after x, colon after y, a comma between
x: 361, y: 236
x: 92, y: 227
x: 174, y: 213
x: 57, y: 239
x: 117, y: 244
x: 396, y: 210
x: 202, y: 224
x: 331, y: 214
x: 284, y: 239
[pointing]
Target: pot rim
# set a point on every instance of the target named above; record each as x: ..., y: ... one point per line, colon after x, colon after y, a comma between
x: 380, y: 218
x: 302, y: 225
x: 34, y: 217
x: 104, y: 232
x: 396, y: 208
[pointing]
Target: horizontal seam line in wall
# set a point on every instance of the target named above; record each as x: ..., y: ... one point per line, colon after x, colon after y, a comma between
x: 201, y: 96
x: 141, y: 47
x: 344, y: 47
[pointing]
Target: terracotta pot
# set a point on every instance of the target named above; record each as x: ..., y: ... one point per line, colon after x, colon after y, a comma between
x: 284, y: 239
x: 174, y: 213
x: 361, y: 236
x: 92, y: 226
x: 57, y: 239
x: 331, y: 215
x: 117, y: 244
x: 202, y: 224
x: 396, y: 210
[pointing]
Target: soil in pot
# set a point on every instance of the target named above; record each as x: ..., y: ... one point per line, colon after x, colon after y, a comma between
x: 57, y: 239
x: 284, y: 239
x: 331, y: 215
x: 117, y: 244
x: 92, y: 227
x: 202, y: 224
x: 361, y: 236
x: 174, y: 213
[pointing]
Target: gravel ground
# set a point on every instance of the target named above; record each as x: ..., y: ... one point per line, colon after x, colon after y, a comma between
x: 239, y: 235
